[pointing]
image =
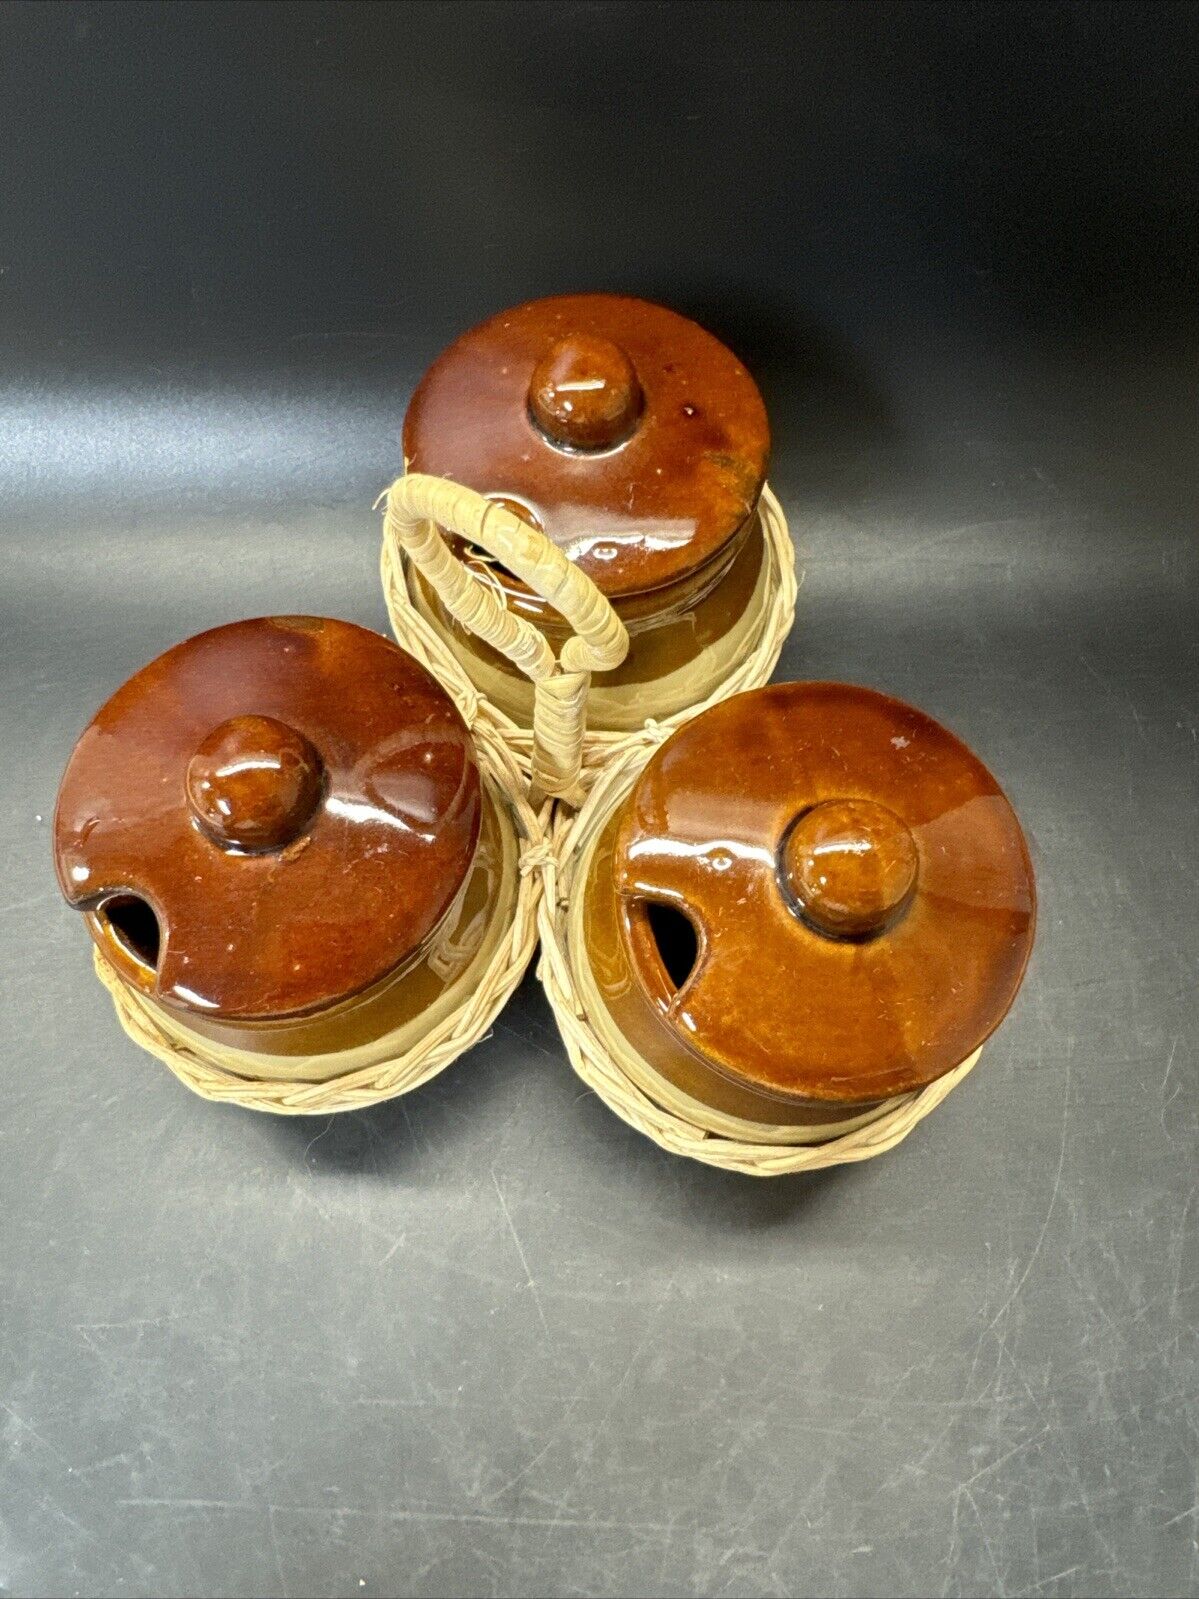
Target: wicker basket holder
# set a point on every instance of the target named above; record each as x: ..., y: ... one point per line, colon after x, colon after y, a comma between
x: 535, y: 778
x: 316, y: 1085
x: 401, y: 1061
x: 628, y: 1085
x: 560, y: 704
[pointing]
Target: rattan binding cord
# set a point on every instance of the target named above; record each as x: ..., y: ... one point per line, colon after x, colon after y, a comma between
x: 598, y: 747
x: 198, y: 1064
x: 597, y: 1066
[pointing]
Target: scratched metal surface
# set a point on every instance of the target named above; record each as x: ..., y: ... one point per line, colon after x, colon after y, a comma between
x: 486, y: 1340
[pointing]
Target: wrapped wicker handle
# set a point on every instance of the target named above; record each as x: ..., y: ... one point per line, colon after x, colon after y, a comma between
x: 417, y: 508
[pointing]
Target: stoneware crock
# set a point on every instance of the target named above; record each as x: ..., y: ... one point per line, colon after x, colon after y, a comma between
x: 638, y: 444
x: 810, y: 905
x: 293, y: 863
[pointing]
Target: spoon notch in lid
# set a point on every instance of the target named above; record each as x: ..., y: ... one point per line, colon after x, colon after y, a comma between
x: 859, y: 888
x: 269, y: 819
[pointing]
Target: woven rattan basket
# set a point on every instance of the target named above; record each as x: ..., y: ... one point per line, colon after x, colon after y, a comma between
x: 395, y: 1064
x: 612, y: 1069
x: 479, y: 980
x: 410, y: 503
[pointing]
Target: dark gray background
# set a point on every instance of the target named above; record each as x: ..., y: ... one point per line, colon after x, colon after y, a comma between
x: 485, y: 1339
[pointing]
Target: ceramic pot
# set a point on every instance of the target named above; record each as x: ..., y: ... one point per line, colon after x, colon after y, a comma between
x: 286, y: 849
x: 812, y: 901
x: 638, y: 444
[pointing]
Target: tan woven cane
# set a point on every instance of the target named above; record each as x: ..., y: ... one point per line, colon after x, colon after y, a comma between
x: 626, y: 1084
x: 417, y: 508
x: 548, y: 747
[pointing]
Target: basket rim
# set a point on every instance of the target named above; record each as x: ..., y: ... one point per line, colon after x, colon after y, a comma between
x: 466, y: 1025
x: 600, y: 747
x: 595, y: 1066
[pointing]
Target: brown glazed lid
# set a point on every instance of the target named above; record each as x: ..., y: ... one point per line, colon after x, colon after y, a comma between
x: 859, y: 886
x: 634, y: 439
x: 295, y: 800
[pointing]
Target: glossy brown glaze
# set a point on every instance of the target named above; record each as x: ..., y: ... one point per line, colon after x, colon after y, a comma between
x: 296, y: 801
x: 409, y: 994
x: 665, y: 631
x: 585, y: 394
x: 687, y: 434
x: 860, y: 892
x: 850, y: 866
x: 254, y: 783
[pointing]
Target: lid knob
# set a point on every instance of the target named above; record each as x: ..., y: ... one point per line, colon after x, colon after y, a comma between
x: 850, y: 865
x: 254, y: 783
x: 584, y: 393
